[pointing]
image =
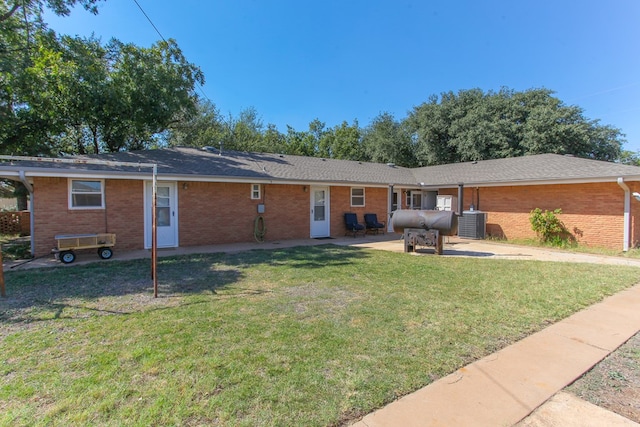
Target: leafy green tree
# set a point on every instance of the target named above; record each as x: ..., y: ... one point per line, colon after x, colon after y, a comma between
x: 74, y: 95
x: 341, y: 142
x: 386, y: 140
x: 28, y: 7
x: 273, y: 140
x: 245, y: 131
x: 474, y: 125
x: 630, y: 158
x: 112, y: 98
x: 299, y: 143
x: 203, y: 127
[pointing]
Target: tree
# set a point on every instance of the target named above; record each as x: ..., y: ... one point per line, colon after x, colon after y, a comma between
x: 473, y: 125
x: 341, y: 142
x: 59, y: 7
x: 273, y: 140
x: 386, y: 140
x: 204, y: 127
x: 113, y: 98
x: 23, y: 129
x: 74, y: 95
x: 630, y: 158
x: 245, y: 131
x: 299, y: 143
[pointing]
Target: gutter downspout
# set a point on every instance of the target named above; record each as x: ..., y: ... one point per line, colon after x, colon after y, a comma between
x: 627, y: 209
x: 29, y: 187
x: 390, y: 208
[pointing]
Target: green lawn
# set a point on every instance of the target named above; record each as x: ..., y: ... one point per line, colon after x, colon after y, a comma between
x: 313, y: 336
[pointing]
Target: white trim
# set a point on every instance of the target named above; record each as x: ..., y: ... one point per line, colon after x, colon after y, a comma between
x: 254, y: 190
x: 531, y: 183
x: 70, y: 194
x: 364, y: 193
x: 627, y: 211
x: 79, y: 174
x: 327, y: 204
x: 148, y: 212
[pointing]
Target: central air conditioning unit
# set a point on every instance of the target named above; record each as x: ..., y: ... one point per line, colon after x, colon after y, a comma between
x: 472, y: 225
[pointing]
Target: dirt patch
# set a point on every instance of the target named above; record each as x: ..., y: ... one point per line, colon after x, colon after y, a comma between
x: 614, y: 383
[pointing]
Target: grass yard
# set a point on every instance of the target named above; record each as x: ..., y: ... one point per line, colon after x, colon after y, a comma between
x: 314, y: 336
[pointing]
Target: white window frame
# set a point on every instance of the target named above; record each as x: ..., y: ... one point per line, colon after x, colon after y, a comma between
x: 412, y: 196
x: 256, y: 191
x: 71, y: 206
x: 356, y: 205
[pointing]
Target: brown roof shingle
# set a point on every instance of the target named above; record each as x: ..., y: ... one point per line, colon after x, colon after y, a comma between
x: 192, y: 163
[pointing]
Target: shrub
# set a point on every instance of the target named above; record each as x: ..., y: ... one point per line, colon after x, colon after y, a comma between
x: 549, y: 228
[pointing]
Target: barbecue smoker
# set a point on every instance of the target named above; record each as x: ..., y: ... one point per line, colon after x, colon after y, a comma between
x: 424, y: 228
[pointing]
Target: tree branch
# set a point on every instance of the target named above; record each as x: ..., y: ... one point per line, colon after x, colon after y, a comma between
x: 10, y: 13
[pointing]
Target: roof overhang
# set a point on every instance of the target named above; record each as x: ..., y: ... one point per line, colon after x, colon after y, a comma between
x: 531, y: 182
x: 13, y: 172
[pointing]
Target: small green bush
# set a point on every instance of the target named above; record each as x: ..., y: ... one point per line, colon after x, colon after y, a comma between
x: 549, y: 228
x: 16, y: 251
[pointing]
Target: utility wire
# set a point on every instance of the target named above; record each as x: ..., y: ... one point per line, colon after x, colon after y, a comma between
x: 149, y: 19
x: 162, y: 37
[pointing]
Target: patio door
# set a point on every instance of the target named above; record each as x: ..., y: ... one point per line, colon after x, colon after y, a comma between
x: 166, y: 214
x: 320, y: 224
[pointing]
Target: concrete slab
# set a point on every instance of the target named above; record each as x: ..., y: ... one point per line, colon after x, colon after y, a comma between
x: 566, y: 410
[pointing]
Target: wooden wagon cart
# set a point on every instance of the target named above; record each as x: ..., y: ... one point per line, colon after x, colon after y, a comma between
x: 68, y: 243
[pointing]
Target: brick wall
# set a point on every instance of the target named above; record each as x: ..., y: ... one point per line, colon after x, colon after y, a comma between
x: 213, y: 213
x: 376, y: 200
x: 593, y: 213
x: 288, y: 213
x: 123, y: 214
x: 209, y: 213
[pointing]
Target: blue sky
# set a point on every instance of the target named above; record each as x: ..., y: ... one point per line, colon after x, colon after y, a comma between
x: 295, y: 61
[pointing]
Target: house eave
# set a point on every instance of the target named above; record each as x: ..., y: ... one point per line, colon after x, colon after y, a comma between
x: 430, y: 186
x: 31, y: 172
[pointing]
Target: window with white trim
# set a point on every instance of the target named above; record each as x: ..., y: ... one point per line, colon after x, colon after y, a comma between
x: 255, y: 191
x: 86, y: 194
x: 416, y: 200
x: 357, y: 196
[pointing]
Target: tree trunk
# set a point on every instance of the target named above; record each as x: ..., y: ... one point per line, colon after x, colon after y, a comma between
x: 21, y: 193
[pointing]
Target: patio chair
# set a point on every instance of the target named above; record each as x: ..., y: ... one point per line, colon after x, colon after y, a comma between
x: 372, y: 223
x: 351, y: 222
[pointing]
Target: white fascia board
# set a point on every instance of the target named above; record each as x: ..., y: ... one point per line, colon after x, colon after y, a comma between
x: 531, y: 182
x: 14, y: 171
x: 200, y: 178
x: 144, y: 176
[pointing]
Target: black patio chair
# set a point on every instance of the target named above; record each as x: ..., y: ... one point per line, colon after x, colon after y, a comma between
x: 372, y: 223
x: 351, y: 222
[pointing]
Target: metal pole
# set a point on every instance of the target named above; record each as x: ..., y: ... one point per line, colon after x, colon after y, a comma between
x: 154, y: 233
x: 3, y: 292
x: 390, y: 207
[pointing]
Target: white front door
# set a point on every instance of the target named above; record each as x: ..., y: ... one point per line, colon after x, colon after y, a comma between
x: 320, y: 212
x: 166, y: 214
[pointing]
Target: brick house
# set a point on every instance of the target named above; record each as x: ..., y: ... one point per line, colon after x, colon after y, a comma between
x: 207, y: 197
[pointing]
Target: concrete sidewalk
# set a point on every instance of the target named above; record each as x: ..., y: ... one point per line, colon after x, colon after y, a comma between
x: 505, y: 387
x: 454, y: 247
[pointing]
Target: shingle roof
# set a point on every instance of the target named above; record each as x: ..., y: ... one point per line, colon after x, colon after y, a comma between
x: 192, y: 163
x: 234, y: 164
x: 525, y: 169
